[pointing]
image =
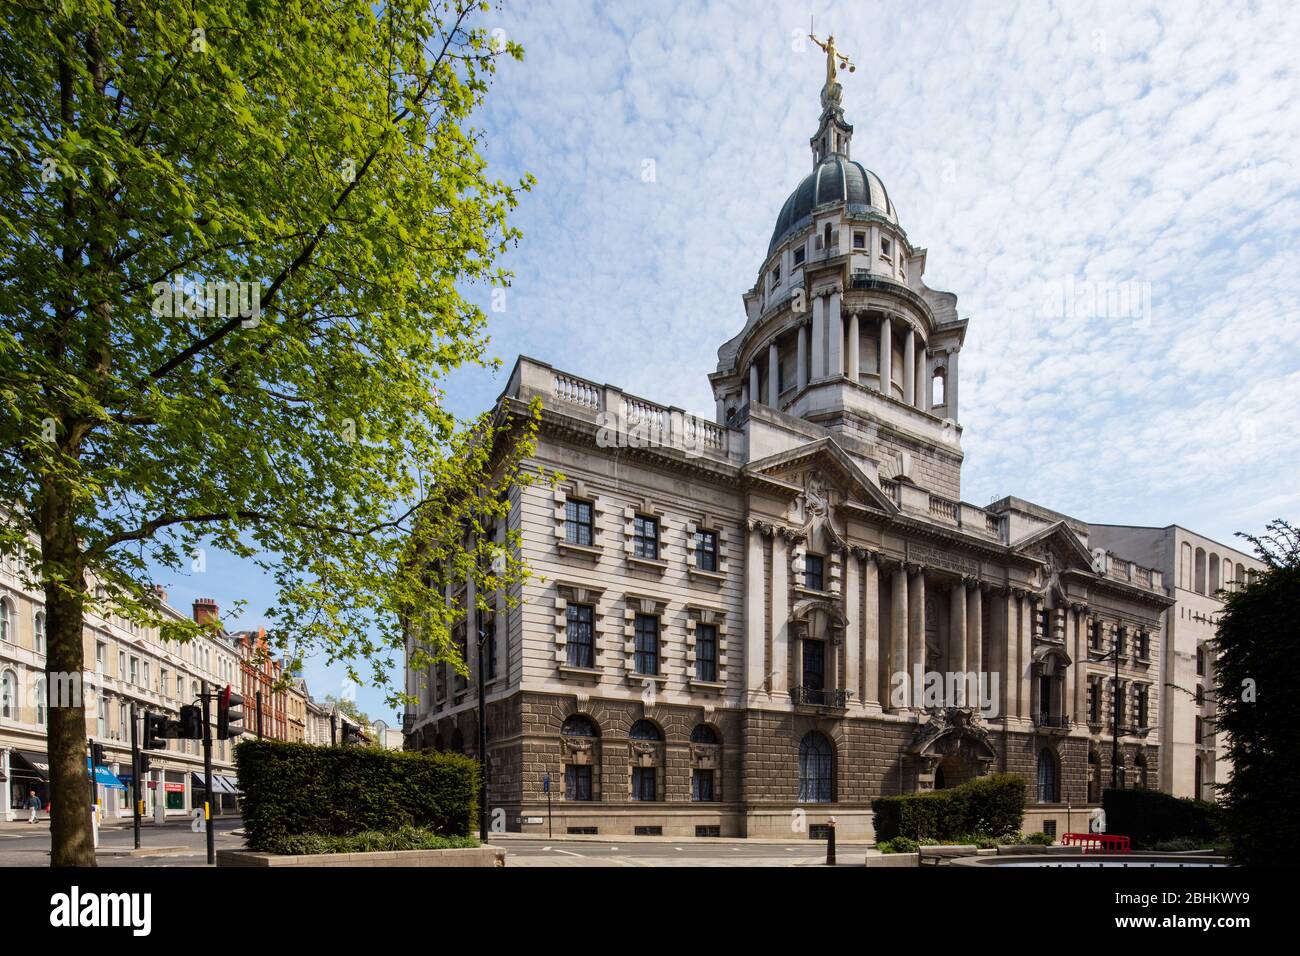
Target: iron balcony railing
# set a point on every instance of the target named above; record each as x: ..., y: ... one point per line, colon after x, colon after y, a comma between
x: 817, y: 697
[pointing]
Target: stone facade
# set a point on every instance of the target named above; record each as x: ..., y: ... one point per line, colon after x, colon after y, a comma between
x: 747, y: 625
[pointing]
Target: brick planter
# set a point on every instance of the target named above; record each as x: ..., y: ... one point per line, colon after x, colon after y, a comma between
x: 473, y: 856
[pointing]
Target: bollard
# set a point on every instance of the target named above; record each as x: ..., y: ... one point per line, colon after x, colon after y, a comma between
x: 830, y: 842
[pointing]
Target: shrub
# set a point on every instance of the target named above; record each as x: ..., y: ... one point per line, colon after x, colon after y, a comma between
x: 1038, y: 839
x: 291, y: 790
x: 1148, y: 817
x: 407, y: 838
x: 897, y: 845
x: 991, y: 806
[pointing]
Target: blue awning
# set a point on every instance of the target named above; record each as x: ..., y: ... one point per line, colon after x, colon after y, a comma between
x: 104, y: 777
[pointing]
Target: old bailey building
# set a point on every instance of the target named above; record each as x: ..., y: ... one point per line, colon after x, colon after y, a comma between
x: 744, y: 626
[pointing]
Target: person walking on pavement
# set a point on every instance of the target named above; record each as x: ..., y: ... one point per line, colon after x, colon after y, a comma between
x: 32, y: 803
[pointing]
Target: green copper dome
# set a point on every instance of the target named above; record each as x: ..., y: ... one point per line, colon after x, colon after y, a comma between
x: 836, y: 179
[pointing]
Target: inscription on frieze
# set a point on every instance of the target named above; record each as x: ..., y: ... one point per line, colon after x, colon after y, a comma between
x: 944, y: 560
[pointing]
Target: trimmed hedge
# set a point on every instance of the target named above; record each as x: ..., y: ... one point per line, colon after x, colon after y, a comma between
x: 407, y: 838
x: 293, y: 789
x: 1148, y: 817
x: 992, y: 806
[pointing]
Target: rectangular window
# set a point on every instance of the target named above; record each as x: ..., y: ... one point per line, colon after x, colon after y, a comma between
x: 1121, y: 640
x: 490, y: 650
x: 1142, y: 705
x: 135, y: 671
x: 121, y: 665
x: 776, y: 276
x: 1144, y: 646
x: 643, y: 783
x: 577, y: 783
x: 578, y: 642
x: 1118, y: 702
x: 645, y: 537
x: 706, y: 550
x: 1094, y: 703
x: 460, y: 682
x: 814, y: 665
x: 799, y: 256
x: 162, y: 682
x: 101, y: 652
x: 812, y: 572
x: 859, y: 240
x: 577, y: 523
x: 647, y: 644
x: 101, y: 715
x: 706, y: 652
x: 702, y: 785
x: 1094, y: 636
x: 146, y: 685
x: 884, y: 247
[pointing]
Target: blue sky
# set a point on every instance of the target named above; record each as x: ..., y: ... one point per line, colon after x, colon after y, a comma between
x: 1027, y: 146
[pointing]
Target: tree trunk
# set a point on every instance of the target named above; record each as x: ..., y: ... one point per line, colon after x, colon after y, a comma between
x: 71, y: 837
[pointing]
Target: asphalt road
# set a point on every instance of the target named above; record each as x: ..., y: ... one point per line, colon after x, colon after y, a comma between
x: 23, y: 844
x: 29, y: 845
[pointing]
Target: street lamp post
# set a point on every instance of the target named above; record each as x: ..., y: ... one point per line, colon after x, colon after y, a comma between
x: 482, y: 742
x: 1112, y: 655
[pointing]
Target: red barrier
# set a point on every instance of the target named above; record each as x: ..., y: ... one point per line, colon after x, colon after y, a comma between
x: 1098, y: 842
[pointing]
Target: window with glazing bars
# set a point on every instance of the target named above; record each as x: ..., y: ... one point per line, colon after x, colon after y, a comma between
x: 706, y: 550
x: 577, y: 523
x: 647, y: 644
x: 645, y: 537
x: 702, y: 785
x: 812, y: 572
x: 578, y: 636
x: 643, y: 783
x: 706, y: 652
x: 577, y: 782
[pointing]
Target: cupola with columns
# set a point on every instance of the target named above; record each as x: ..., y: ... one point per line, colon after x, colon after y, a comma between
x: 842, y: 331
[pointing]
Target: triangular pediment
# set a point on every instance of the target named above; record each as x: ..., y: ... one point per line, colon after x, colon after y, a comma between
x: 792, y: 468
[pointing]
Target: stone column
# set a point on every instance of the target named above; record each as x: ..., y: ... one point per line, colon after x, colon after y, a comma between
x: 922, y: 378
x: 755, y: 396
x: 835, y: 330
x: 871, y: 654
x: 916, y: 624
x: 909, y: 366
x: 957, y: 636
x: 950, y: 386
x: 853, y: 348
x: 801, y: 374
x: 755, y: 638
x: 853, y: 627
x: 1010, y: 640
x: 1081, y: 665
x: 819, y: 338
x: 898, y: 633
x: 975, y: 662
x: 1024, y: 683
x: 773, y: 376
x: 886, y: 355
x: 780, y: 612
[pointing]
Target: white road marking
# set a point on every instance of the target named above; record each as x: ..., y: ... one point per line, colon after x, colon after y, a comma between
x: 567, y: 853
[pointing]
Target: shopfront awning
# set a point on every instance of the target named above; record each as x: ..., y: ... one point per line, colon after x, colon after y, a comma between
x: 197, y: 781
x: 104, y: 777
x: 33, y: 764
x: 225, y: 784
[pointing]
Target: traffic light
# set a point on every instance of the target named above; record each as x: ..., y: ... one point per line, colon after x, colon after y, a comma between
x: 191, y: 723
x: 229, y: 713
x: 97, y: 755
x: 143, y: 759
x: 155, y: 732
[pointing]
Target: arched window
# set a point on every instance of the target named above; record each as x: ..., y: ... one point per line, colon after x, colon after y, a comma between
x: 1241, y: 576
x: 826, y: 241
x: 1049, y: 785
x: 38, y: 625
x: 1214, y: 573
x: 579, y: 726
x: 816, y: 769
x: 704, y: 763
x: 6, y: 620
x: 8, y: 696
x: 704, y: 734
x: 938, y: 388
x: 1185, y: 566
x: 645, y: 730
x: 580, y: 757
x: 1200, y: 570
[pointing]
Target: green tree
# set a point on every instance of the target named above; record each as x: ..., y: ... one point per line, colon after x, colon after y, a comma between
x: 1256, y: 672
x: 350, y: 709
x: 236, y: 235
